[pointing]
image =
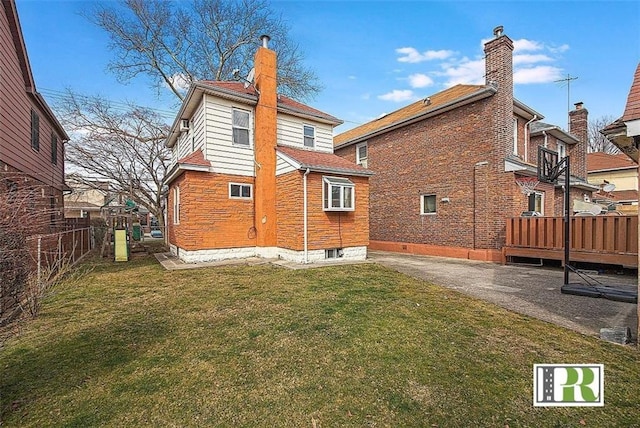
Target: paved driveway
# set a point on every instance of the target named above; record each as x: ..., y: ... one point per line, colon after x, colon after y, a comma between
x: 533, y: 291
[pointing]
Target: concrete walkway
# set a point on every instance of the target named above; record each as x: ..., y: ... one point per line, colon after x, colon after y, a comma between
x: 532, y: 291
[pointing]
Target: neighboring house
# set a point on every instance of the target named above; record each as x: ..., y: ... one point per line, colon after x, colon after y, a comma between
x: 31, y: 138
x: 86, y: 199
x: 625, y: 132
x: 446, y: 166
x: 253, y: 174
x: 616, y: 176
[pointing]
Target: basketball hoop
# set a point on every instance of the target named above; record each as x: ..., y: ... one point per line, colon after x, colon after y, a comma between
x: 527, y: 184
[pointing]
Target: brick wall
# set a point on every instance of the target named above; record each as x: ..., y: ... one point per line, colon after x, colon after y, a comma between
x: 209, y: 219
x: 325, y: 229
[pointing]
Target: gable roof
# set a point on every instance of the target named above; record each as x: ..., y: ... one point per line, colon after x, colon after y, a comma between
x: 632, y: 109
x: 21, y: 51
x: 443, y: 101
x: 236, y: 91
x: 600, y: 161
x: 321, y: 162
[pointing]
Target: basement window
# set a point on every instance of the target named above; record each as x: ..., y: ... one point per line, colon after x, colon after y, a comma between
x: 333, y: 253
x: 239, y: 191
x: 338, y: 194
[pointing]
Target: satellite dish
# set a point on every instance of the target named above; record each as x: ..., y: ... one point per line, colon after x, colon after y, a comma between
x: 610, y: 187
x: 249, y: 80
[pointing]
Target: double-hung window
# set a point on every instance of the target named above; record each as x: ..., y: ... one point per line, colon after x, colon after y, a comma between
x: 362, y: 153
x: 241, y: 127
x: 176, y: 205
x: 338, y: 194
x: 309, y: 136
x: 427, y: 204
x: 562, y: 150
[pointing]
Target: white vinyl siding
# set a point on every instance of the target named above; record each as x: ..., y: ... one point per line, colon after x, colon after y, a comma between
x: 291, y: 133
x: 226, y: 157
x: 283, y: 167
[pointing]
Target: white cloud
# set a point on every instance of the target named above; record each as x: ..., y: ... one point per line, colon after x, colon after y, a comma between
x: 398, y: 95
x: 526, y: 45
x: 559, y: 49
x: 530, y: 59
x: 351, y: 77
x: 539, y: 74
x: 180, y: 81
x: 411, y: 55
x: 420, y: 80
x: 468, y: 72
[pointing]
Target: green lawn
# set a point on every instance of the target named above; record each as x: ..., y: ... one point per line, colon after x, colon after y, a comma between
x: 133, y: 345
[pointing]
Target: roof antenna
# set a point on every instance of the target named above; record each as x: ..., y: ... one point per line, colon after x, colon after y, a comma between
x: 567, y: 80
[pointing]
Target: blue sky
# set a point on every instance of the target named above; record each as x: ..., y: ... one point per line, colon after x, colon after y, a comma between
x: 373, y: 57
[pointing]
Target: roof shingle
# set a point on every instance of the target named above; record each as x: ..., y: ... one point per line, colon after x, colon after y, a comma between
x: 632, y: 109
x: 398, y: 116
x: 323, y: 161
x: 600, y: 161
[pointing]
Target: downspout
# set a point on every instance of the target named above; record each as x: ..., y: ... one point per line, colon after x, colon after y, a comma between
x: 526, y: 138
x: 304, y: 216
x: 545, y: 138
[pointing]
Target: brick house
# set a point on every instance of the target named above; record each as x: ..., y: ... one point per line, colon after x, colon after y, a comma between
x: 254, y: 174
x: 31, y: 138
x: 446, y: 166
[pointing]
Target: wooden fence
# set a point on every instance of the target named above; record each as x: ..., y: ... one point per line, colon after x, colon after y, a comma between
x: 594, y: 239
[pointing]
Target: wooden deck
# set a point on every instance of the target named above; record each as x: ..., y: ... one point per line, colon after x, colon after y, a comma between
x: 596, y: 239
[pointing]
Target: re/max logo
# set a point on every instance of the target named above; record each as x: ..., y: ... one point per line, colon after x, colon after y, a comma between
x: 568, y: 385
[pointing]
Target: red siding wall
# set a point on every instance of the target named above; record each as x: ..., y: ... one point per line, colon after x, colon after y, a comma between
x: 17, y: 158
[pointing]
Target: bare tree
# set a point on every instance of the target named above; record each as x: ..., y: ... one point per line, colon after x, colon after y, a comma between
x: 597, y: 141
x: 124, y: 146
x: 177, y: 43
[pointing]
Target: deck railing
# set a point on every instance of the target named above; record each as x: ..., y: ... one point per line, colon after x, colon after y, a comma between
x: 597, y: 239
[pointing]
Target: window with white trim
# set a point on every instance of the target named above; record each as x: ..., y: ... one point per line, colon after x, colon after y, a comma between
x: 241, y: 127
x: 176, y: 205
x: 309, y: 136
x: 338, y: 194
x: 561, y: 148
x: 427, y: 204
x: 240, y: 191
x: 362, y: 153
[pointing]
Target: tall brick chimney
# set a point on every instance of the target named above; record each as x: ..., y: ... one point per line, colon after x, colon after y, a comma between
x: 579, y: 128
x: 265, y: 145
x: 499, y: 74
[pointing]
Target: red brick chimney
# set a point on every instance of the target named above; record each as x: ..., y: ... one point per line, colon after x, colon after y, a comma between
x: 499, y: 74
x: 579, y: 128
x: 265, y: 145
